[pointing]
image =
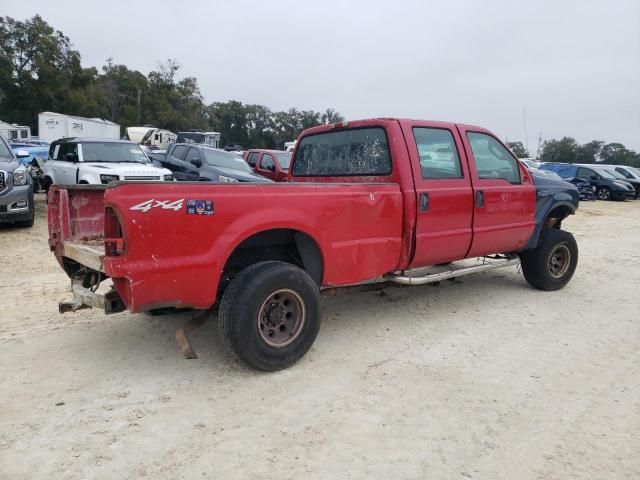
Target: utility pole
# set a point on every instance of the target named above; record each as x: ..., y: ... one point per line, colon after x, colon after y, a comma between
x: 524, y: 121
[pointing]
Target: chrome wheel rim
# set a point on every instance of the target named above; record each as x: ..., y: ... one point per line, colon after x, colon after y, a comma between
x: 281, y: 318
x: 559, y: 261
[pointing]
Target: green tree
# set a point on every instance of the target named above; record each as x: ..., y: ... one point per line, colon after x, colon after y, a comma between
x: 563, y: 150
x: 39, y: 70
x: 518, y: 149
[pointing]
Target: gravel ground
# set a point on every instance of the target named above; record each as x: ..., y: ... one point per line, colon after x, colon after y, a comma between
x: 481, y: 378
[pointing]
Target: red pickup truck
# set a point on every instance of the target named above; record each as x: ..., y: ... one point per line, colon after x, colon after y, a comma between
x: 272, y: 164
x: 368, y: 200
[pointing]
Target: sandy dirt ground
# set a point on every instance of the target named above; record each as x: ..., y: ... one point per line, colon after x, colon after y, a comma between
x: 481, y: 378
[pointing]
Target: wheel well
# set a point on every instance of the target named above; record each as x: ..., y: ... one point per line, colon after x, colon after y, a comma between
x: 286, y: 245
x: 556, y: 216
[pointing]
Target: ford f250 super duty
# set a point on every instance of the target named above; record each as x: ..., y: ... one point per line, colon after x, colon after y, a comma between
x: 368, y: 200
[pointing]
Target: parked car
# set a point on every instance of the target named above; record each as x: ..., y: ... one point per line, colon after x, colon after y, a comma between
x: 16, y: 188
x: 626, y: 171
x: 99, y: 161
x: 607, y: 186
x: 355, y: 213
x: 635, y: 182
x: 191, y: 161
x: 273, y: 164
x: 34, y: 151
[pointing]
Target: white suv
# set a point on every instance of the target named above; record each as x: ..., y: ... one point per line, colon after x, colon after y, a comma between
x: 99, y: 161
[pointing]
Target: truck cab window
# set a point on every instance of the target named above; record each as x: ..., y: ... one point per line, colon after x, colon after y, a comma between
x: 267, y: 163
x: 179, y: 152
x: 359, y: 151
x: 193, y: 154
x: 492, y: 159
x: 252, y: 159
x: 438, y: 154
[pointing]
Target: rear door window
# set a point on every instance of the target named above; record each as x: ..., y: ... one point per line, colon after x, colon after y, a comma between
x: 355, y: 152
x: 438, y: 154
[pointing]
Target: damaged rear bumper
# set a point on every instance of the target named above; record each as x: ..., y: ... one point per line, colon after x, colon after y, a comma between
x: 83, y: 297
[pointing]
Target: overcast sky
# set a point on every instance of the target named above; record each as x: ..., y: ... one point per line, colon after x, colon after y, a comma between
x: 575, y: 65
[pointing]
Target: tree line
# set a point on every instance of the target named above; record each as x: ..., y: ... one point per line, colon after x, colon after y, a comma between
x: 568, y: 150
x: 40, y: 71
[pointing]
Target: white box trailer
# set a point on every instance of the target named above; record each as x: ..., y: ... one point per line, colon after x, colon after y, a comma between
x: 52, y: 126
x: 12, y: 132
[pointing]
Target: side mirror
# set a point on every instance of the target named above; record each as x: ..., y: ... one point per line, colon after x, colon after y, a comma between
x: 196, y: 163
x: 22, y: 153
x: 70, y: 157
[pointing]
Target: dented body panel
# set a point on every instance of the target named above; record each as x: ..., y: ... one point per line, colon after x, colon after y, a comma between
x: 167, y: 244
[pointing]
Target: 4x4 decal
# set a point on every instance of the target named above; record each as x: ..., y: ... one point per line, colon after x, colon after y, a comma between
x: 153, y: 203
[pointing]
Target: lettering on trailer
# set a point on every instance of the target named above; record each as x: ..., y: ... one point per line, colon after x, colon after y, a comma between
x: 76, y: 126
x: 162, y: 204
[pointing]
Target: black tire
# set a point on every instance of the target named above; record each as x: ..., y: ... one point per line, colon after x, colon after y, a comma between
x: 604, y: 193
x: 247, y: 318
x: 28, y: 223
x: 553, y: 262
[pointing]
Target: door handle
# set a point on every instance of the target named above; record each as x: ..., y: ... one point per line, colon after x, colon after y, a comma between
x: 424, y: 202
x: 480, y: 199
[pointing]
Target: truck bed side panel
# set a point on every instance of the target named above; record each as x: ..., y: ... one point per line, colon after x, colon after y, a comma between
x: 175, y: 257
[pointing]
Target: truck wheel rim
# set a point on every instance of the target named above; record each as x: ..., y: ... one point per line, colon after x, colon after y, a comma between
x: 281, y: 318
x: 559, y: 261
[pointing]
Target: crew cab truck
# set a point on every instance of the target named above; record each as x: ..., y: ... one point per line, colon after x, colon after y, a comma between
x: 369, y: 200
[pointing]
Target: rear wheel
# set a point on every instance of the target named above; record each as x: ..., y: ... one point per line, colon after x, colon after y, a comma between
x: 552, y: 263
x: 269, y: 315
x: 604, y: 193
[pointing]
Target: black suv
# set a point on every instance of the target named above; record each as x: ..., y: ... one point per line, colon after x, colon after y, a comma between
x: 190, y: 162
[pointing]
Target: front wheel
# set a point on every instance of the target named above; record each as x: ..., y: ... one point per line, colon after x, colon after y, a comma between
x: 270, y: 315
x: 552, y: 263
x: 604, y: 193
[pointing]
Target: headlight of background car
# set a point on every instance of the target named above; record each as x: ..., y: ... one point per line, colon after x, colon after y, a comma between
x: 104, y: 179
x: 223, y: 179
x: 168, y: 178
x: 20, y: 176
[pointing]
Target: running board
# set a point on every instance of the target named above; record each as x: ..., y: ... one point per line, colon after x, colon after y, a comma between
x: 459, y: 272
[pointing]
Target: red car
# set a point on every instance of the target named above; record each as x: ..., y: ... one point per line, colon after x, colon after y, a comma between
x: 273, y: 164
x: 372, y: 200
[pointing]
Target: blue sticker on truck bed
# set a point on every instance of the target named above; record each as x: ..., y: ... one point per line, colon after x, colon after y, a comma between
x: 199, y: 207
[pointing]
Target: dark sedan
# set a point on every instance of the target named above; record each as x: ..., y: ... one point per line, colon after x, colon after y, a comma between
x: 607, y: 186
x: 190, y: 162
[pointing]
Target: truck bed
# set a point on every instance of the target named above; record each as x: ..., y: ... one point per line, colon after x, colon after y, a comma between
x: 173, y: 254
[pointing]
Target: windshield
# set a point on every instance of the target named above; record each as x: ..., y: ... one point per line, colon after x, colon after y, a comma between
x: 113, y: 152
x: 618, y: 175
x: 218, y: 158
x: 634, y: 170
x: 4, y: 150
x: 284, y: 159
x: 606, y: 174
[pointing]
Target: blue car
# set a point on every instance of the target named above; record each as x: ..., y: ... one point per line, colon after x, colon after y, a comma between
x: 607, y: 186
x: 35, y: 151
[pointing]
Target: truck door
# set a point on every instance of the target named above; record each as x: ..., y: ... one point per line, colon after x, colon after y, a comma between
x: 504, y: 195
x: 443, y: 190
x: 266, y: 167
